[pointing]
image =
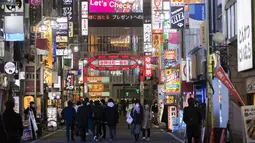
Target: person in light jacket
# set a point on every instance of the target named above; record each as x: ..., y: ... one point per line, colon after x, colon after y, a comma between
x: 136, y: 114
x: 147, y: 117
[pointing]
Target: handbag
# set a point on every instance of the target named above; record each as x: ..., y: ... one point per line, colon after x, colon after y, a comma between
x: 129, y: 119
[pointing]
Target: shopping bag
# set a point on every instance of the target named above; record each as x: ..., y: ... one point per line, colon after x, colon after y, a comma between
x: 129, y: 119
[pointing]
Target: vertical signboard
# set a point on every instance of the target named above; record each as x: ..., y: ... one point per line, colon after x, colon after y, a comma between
x: 177, y: 19
x: 147, y: 66
x: 157, y: 42
x: 157, y: 26
x: 84, y: 27
x: 197, y: 15
x: 68, y: 12
x: 84, y: 9
x: 244, y: 35
x: 62, y: 33
x: 84, y: 18
x: 147, y: 37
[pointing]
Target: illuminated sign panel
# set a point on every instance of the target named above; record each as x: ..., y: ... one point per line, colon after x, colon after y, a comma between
x: 112, y: 62
x: 115, y: 6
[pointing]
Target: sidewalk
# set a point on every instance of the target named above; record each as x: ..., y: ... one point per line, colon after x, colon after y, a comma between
x: 179, y: 135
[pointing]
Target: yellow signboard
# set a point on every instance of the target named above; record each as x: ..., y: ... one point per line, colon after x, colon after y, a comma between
x: 48, y: 67
x: 173, y: 81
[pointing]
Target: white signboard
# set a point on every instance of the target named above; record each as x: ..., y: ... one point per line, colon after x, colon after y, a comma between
x: 16, y: 104
x: 244, y: 35
x: 248, y: 115
x: 112, y: 62
x: 147, y: 33
x: 84, y: 27
x: 84, y: 9
x: 10, y: 68
x: 157, y: 26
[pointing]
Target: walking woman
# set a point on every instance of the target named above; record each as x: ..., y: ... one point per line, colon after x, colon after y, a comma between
x: 147, y: 117
x: 136, y: 114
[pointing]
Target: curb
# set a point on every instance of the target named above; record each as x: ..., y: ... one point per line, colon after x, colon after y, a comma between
x: 43, y: 137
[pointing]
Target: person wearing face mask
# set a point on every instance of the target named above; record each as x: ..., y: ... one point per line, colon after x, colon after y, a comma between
x: 147, y: 116
x: 30, y: 113
x: 136, y: 114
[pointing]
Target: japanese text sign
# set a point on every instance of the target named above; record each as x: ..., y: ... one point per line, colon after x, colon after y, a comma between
x: 147, y: 64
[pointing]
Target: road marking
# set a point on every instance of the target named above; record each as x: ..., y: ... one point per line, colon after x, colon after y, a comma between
x: 174, y: 136
x: 46, y: 136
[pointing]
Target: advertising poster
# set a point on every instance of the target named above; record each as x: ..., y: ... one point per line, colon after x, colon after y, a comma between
x: 147, y: 39
x: 244, y: 35
x: 27, y: 100
x: 157, y: 43
x: 172, y: 81
x: 197, y: 15
x: 157, y: 6
x: 67, y: 9
x: 116, y: 6
x: 97, y: 87
x: 84, y: 27
x: 173, y: 40
x: 172, y: 115
x: 248, y: 115
x: 170, y: 55
x: 16, y: 104
x: 177, y: 19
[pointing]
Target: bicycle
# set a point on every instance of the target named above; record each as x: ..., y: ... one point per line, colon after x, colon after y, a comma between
x: 51, y: 126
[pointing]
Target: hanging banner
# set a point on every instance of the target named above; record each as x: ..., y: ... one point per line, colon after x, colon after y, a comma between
x: 197, y: 15
x: 157, y: 6
x: 147, y: 39
x: 221, y: 75
x: 177, y: 17
x: 172, y: 81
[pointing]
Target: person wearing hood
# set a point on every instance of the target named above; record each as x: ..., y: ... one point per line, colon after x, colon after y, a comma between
x: 136, y: 114
x: 82, y: 119
x: 112, y: 119
x: 13, y: 123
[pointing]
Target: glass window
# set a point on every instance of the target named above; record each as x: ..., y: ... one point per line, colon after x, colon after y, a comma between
x: 232, y: 20
x: 236, y: 19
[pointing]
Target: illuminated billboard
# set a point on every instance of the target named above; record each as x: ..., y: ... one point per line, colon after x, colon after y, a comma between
x: 116, y: 6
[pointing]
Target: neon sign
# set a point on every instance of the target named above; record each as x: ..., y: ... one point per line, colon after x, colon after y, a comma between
x: 113, y: 62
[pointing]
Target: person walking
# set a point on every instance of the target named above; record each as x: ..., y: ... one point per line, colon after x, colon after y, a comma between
x: 136, y: 114
x: 97, y: 118
x: 112, y: 119
x: 78, y: 104
x: 193, y: 118
x: 155, y: 112
x: 82, y: 119
x: 103, y: 120
x: 147, y: 117
x: 129, y: 107
x: 90, y: 121
x: 69, y: 115
x: 13, y: 123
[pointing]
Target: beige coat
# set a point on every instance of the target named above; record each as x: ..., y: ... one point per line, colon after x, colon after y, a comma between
x: 147, y: 117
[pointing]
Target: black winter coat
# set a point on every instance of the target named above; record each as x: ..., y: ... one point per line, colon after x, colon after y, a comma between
x: 83, y: 115
x: 137, y: 117
x: 112, y: 116
x: 97, y: 113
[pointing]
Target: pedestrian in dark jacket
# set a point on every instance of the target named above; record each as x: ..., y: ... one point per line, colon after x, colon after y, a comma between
x: 192, y: 117
x: 13, y: 123
x: 69, y: 115
x: 136, y: 114
x: 83, y: 116
x: 103, y: 121
x: 97, y: 118
x: 112, y: 119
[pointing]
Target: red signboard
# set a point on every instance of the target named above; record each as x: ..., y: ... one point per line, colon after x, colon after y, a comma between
x: 112, y: 62
x: 30, y: 82
x: 221, y: 75
x: 147, y: 66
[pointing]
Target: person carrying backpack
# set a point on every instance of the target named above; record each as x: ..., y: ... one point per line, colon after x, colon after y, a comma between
x: 193, y: 119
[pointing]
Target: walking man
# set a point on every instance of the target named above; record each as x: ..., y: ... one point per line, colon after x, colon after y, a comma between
x: 192, y: 117
x: 69, y: 115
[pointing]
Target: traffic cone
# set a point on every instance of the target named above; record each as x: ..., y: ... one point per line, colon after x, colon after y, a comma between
x: 212, y: 136
x: 223, y: 138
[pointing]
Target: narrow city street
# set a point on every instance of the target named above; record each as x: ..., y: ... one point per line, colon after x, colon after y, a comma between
x: 123, y: 136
